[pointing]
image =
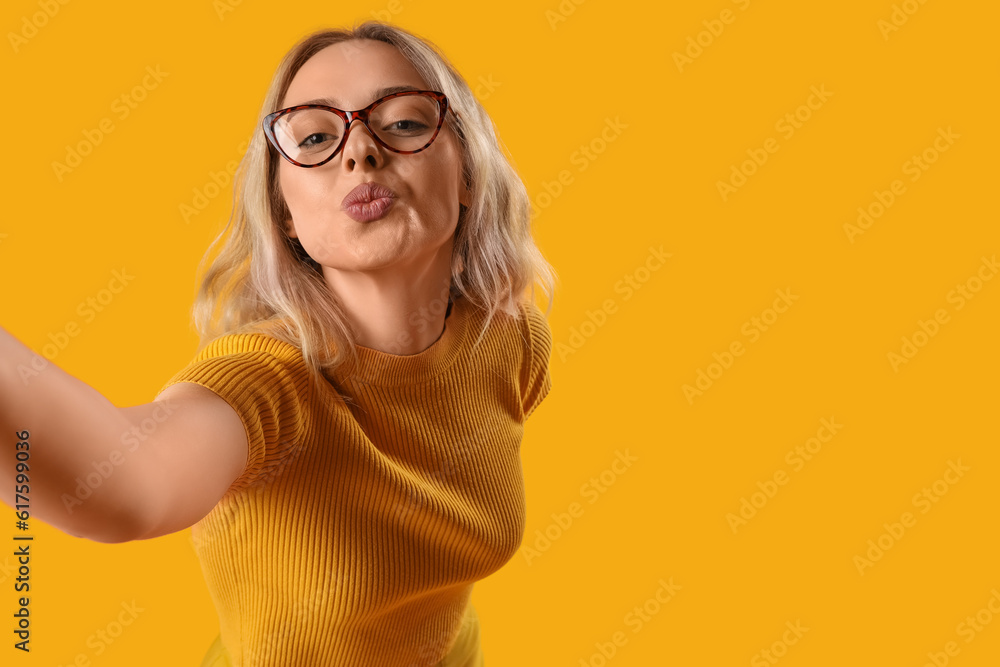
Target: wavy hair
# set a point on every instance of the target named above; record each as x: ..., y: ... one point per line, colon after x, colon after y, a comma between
x: 258, y: 279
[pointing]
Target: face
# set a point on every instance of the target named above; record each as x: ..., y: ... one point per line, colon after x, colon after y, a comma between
x: 428, y: 185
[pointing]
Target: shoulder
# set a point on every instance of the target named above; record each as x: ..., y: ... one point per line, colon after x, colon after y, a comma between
x: 249, y: 344
x: 536, y: 339
x: 536, y: 381
x: 243, y: 360
x: 266, y: 382
x: 535, y: 329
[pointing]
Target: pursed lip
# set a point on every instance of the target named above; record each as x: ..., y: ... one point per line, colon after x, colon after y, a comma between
x: 367, y: 192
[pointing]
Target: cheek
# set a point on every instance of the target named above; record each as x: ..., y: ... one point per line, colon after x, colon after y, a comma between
x: 299, y: 190
x: 286, y: 187
x: 440, y: 183
x: 292, y: 187
x: 307, y: 193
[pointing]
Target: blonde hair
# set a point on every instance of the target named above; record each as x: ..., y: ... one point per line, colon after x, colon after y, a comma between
x: 263, y: 281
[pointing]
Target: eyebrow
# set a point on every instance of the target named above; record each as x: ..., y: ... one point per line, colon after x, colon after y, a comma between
x: 378, y: 94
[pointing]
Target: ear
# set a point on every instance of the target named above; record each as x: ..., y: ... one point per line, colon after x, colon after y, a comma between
x: 290, y: 229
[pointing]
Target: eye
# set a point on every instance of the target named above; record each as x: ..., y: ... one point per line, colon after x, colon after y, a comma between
x: 315, y: 139
x: 412, y: 127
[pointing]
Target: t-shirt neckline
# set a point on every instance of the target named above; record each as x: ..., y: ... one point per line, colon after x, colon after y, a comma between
x: 385, y: 369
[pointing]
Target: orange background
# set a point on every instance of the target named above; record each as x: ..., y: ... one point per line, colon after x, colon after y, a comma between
x: 622, y: 143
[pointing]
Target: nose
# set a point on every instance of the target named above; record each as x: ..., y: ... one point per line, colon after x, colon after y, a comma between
x: 360, y: 145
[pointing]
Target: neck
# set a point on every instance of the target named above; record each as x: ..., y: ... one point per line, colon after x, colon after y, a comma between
x: 395, y: 310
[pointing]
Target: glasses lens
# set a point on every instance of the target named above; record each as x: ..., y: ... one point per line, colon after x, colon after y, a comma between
x: 405, y: 123
x: 309, y: 136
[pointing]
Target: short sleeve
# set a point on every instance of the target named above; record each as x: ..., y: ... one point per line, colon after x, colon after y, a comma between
x: 536, y: 380
x: 266, y: 382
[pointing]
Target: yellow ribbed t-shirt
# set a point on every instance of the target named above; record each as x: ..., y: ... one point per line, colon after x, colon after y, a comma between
x: 369, y: 505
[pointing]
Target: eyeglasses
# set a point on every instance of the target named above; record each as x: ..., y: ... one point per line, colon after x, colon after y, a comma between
x: 309, y: 135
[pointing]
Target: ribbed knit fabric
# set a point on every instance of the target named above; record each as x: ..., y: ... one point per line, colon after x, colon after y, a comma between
x: 369, y: 505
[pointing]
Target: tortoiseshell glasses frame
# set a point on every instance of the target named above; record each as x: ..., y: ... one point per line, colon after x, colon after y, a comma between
x: 349, y: 117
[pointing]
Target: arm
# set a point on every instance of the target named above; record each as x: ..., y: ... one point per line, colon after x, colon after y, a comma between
x: 113, y: 474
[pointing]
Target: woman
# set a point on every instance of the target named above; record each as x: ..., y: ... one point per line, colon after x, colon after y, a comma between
x: 345, y: 444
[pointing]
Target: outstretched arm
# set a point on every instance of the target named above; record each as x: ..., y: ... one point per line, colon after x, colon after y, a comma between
x: 106, y: 473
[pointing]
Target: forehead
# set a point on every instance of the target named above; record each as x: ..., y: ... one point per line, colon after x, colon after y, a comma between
x: 349, y: 72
